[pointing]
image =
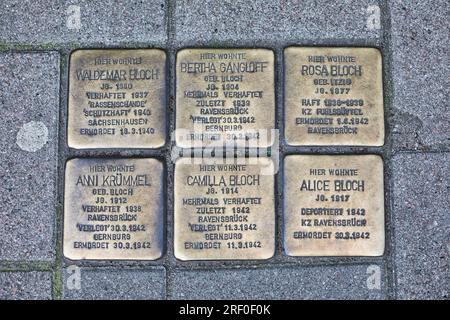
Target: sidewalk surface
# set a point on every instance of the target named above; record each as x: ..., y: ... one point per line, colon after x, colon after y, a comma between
x: 36, y: 38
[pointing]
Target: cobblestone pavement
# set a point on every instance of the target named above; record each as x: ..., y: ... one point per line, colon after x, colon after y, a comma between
x: 36, y: 38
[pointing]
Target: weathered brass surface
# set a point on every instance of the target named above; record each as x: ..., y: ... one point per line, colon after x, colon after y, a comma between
x: 117, y: 99
x: 333, y: 205
x: 224, y: 210
x: 113, y: 209
x: 225, y: 96
x: 333, y: 96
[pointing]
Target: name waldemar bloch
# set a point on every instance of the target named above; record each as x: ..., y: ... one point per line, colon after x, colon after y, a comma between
x: 117, y: 74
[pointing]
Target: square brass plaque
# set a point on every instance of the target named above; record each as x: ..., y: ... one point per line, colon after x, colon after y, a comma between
x: 333, y: 96
x: 113, y: 209
x: 225, y: 96
x: 117, y: 99
x: 224, y: 210
x: 333, y: 205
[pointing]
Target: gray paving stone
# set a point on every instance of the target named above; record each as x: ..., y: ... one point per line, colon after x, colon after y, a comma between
x: 107, y: 22
x: 325, y: 282
x: 25, y: 285
x: 422, y: 225
x: 109, y: 283
x: 421, y: 117
x: 235, y: 21
x: 344, y: 20
x: 29, y: 104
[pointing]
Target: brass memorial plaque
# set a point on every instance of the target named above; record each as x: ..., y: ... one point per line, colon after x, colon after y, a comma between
x: 333, y: 205
x: 224, y: 210
x: 117, y: 99
x: 113, y: 209
x: 333, y: 96
x: 225, y: 96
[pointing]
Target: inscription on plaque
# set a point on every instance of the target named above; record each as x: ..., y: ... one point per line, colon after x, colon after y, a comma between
x: 333, y: 205
x: 113, y: 209
x: 224, y: 210
x: 117, y: 99
x: 225, y: 96
x: 333, y: 96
